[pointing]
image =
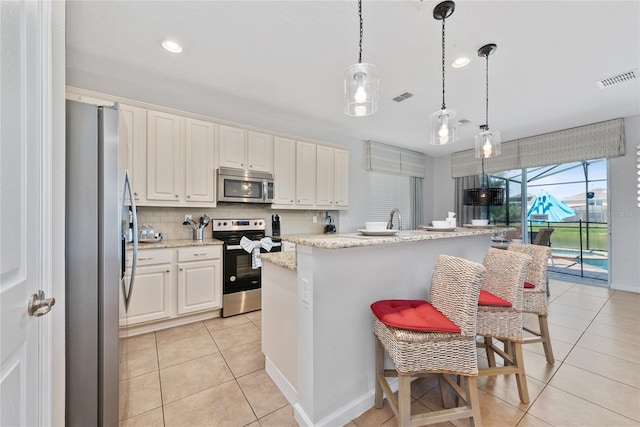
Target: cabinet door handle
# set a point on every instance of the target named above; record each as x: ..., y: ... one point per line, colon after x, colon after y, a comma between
x: 182, y: 269
x: 135, y: 194
x: 176, y: 196
x: 188, y: 197
x: 168, y: 271
x: 145, y: 259
x: 200, y: 254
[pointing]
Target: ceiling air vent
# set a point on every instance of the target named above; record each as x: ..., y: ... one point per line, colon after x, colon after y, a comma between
x: 617, y: 79
x: 403, y: 96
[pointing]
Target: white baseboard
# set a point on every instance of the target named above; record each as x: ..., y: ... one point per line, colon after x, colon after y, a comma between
x: 345, y: 414
x: 289, y: 392
x: 624, y: 287
x: 158, y: 325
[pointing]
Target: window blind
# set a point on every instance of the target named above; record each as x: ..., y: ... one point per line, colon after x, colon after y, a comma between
x: 386, y: 193
x: 384, y: 158
x: 594, y: 141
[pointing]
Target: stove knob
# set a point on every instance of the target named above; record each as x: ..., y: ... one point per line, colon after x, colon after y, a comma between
x: 224, y: 223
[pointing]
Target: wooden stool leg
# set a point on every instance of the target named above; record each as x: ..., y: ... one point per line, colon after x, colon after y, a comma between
x: 404, y: 400
x: 379, y: 371
x: 491, y: 357
x: 521, y: 378
x: 471, y: 390
x: 443, y: 391
x: 546, y: 343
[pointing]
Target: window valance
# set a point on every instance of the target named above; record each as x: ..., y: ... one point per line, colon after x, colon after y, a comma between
x: 394, y: 160
x: 594, y: 141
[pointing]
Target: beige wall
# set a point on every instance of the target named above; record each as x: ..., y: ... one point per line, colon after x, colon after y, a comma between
x: 624, y: 214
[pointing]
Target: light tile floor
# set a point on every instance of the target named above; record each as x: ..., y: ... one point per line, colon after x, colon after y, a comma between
x: 212, y: 373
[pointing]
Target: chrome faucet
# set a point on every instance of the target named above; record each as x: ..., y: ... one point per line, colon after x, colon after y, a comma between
x: 390, y: 223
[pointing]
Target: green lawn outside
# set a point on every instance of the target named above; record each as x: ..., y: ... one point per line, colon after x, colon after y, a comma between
x: 567, y: 235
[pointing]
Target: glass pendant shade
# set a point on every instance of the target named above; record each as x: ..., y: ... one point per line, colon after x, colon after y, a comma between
x: 443, y: 129
x: 361, y: 87
x: 487, y: 144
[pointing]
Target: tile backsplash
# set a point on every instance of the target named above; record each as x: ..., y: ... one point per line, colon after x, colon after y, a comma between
x: 168, y: 221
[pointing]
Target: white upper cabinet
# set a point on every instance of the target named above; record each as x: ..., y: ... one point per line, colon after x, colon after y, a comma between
x: 132, y: 148
x: 325, y: 181
x: 180, y: 161
x: 305, y: 173
x: 232, y: 147
x: 248, y: 150
x: 259, y: 152
x: 200, y: 161
x: 332, y: 186
x: 341, y: 174
x: 284, y: 171
x: 164, y: 156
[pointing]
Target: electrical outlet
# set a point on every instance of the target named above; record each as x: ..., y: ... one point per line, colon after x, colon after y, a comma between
x: 314, y: 218
x: 306, y: 292
x: 187, y: 217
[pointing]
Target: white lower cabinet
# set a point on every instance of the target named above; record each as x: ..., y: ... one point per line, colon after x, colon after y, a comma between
x: 199, y: 282
x: 173, y: 283
x: 151, y: 293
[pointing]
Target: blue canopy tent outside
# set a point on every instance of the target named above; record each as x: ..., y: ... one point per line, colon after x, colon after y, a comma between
x: 546, y: 208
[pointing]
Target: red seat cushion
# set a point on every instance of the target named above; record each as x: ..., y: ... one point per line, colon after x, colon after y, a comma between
x: 529, y: 285
x: 415, y: 315
x: 487, y: 298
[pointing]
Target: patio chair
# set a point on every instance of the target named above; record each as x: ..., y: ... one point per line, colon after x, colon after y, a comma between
x: 543, y: 238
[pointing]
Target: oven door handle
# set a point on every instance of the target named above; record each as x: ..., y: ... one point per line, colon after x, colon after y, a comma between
x: 233, y: 247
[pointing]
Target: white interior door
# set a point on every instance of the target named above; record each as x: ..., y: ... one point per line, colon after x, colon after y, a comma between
x: 25, y: 168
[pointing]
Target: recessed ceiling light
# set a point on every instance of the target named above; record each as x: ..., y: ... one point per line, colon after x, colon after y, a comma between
x: 460, y: 62
x: 172, y: 46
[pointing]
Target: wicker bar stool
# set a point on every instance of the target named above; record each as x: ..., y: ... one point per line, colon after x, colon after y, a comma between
x: 535, y: 294
x: 437, y: 338
x: 500, y: 314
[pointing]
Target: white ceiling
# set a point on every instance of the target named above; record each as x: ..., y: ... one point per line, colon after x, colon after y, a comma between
x: 285, y: 60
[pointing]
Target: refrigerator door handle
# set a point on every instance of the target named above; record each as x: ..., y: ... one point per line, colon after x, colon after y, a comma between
x: 126, y: 293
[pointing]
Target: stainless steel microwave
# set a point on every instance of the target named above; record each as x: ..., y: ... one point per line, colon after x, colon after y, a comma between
x: 237, y: 185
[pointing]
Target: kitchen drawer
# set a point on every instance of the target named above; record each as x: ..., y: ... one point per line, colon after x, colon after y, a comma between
x: 199, y: 253
x: 151, y: 257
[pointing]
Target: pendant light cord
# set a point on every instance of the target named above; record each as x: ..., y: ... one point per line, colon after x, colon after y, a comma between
x: 360, y: 15
x: 486, y: 118
x: 444, y: 107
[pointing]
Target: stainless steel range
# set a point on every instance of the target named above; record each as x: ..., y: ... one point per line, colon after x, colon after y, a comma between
x: 241, y: 291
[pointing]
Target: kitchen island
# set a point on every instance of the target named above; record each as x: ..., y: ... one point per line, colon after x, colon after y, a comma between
x: 316, y: 323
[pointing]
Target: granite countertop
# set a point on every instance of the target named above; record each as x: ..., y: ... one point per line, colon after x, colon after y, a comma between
x: 350, y: 240
x: 178, y: 243
x: 282, y: 259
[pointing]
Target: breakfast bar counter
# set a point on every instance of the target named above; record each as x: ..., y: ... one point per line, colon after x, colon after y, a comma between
x: 316, y: 323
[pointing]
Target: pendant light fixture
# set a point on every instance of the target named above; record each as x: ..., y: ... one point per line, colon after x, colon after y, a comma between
x: 485, y: 195
x: 487, y: 141
x: 361, y: 84
x: 443, y: 125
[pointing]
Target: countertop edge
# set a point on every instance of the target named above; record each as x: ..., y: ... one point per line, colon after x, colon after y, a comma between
x: 286, y: 260
x: 351, y: 240
x: 178, y: 243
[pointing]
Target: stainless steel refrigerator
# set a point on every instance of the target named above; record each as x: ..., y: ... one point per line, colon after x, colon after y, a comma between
x: 99, y: 217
